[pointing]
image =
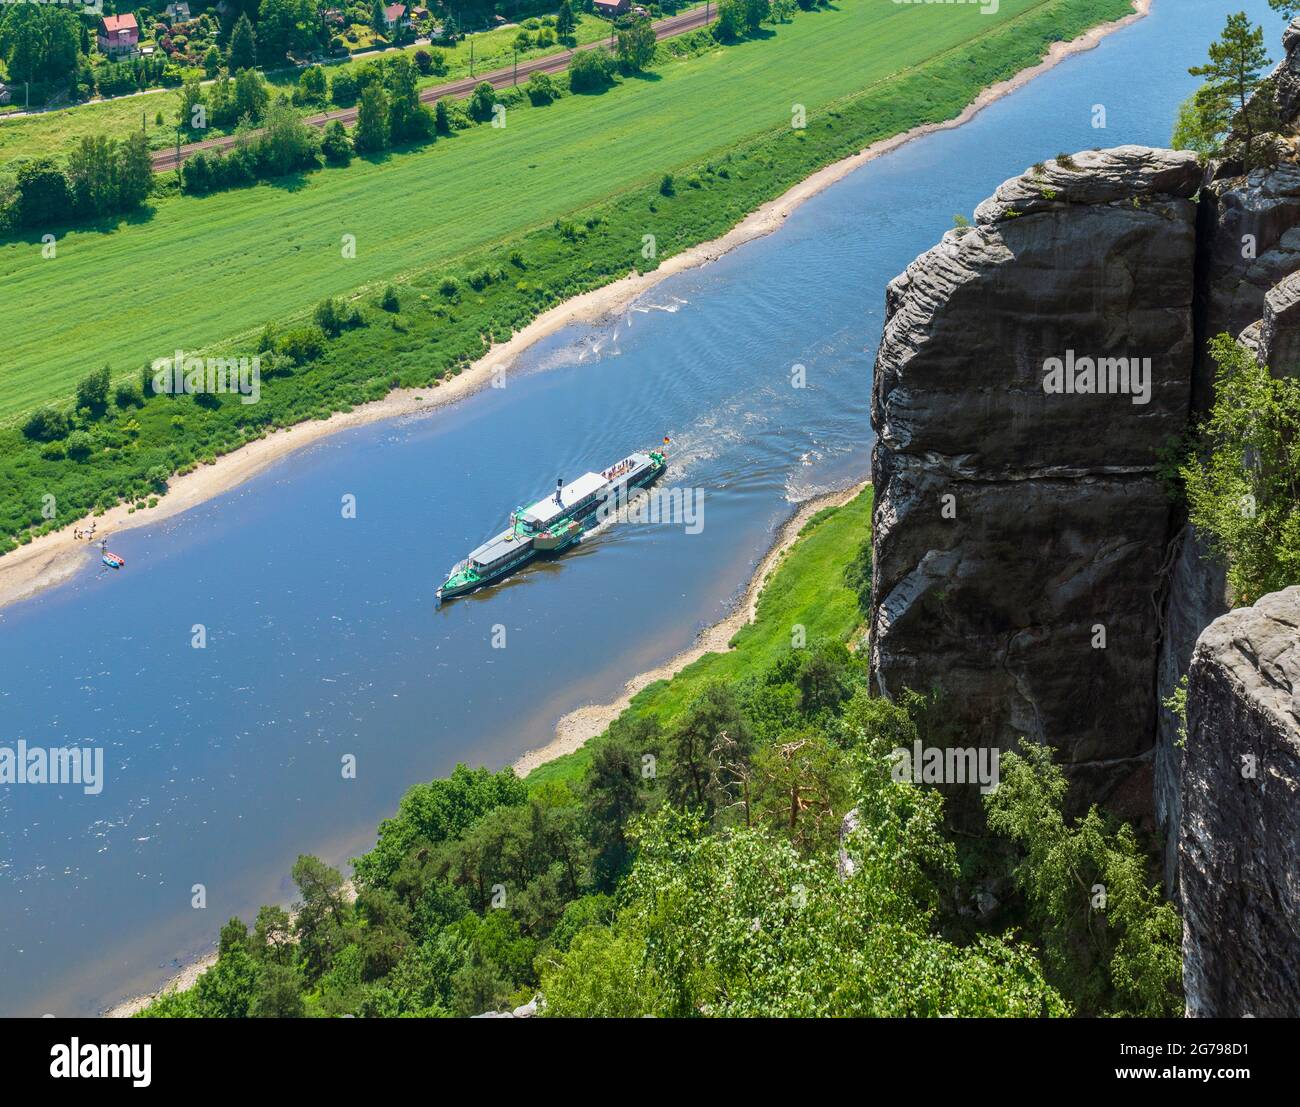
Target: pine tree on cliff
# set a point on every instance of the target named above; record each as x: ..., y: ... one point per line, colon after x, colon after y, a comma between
x: 1233, y: 74
x: 243, y: 46
x: 1289, y: 9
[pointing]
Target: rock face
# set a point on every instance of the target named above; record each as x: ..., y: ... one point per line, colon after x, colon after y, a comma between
x: 1240, y: 836
x: 1019, y: 532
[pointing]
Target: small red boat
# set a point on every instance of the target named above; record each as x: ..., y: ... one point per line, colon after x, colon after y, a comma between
x: 113, y: 561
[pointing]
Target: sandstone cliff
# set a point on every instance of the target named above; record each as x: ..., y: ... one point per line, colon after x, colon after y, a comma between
x: 1240, y: 834
x: 1019, y: 534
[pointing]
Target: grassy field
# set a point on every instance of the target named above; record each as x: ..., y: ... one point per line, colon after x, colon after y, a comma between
x: 809, y: 589
x: 194, y: 271
x: 56, y: 132
x: 448, y: 312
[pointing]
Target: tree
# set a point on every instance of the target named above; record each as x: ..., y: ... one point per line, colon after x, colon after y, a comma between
x: 1112, y: 943
x: 211, y: 62
x: 284, y: 25
x: 442, y: 116
x: 482, y: 101
x: 312, y: 86
x: 191, y: 98
x: 92, y: 391
x: 371, y: 132
x: 636, y: 45
x: 1288, y: 9
x: 1233, y: 73
x: 378, y: 23
x: 323, y: 923
x: 434, y: 812
x: 408, y: 119
x: 243, y: 45
x: 541, y: 89
x: 251, y: 95
x: 1201, y: 124
x: 344, y: 88
x: 39, y: 43
x: 288, y: 142
x: 1243, y: 477
x: 614, y: 790
x: 590, y: 71
x: 565, y: 23
x: 692, y: 777
x: 756, y: 11
x: 42, y: 193
x: 782, y: 11
x: 731, y: 20
x: 46, y: 424
x: 336, y: 145
x: 92, y: 175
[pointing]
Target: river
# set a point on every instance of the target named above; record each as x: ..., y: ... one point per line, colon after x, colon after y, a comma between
x: 323, y: 641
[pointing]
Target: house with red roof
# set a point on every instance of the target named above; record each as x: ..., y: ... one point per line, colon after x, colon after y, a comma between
x: 118, y: 36
x: 395, y: 15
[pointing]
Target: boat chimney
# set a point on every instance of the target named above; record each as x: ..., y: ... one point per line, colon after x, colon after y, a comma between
x: 559, y: 483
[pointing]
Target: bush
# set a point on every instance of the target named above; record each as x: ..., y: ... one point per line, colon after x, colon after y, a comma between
x: 46, y: 424
x: 92, y: 392
x: 336, y: 145
x: 666, y: 186
x: 423, y: 62
x: 541, y: 89
x: 590, y: 71
x: 344, y: 88
x: 128, y: 394
x: 482, y: 102
x: 80, y: 445
x: 389, y: 301
x: 301, y: 344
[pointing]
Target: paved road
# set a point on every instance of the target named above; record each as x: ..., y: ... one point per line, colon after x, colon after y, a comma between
x: 164, y: 160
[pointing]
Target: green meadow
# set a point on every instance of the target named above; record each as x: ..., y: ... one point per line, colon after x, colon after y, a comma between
x: 196, y: 271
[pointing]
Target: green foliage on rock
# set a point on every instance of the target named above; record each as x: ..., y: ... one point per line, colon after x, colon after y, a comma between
x: 1242, y: 479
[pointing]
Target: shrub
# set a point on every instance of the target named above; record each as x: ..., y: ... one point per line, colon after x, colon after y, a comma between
x: 389, y: 300
x: 46, y: 424
x: 301, y: 344
x: 482, y: 101
x: 666, y: 186
x: 92, y: 392
x: 128, y: 394
x: 336, y: 145
x: 541, y: 89
x: 344, y: 88
x: 590, y: 71
x: 80, y: 445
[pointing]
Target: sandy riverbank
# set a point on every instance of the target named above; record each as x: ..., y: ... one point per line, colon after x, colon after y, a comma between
x: 53, y: 558
x: 188, y: 976
x: 581, y: 725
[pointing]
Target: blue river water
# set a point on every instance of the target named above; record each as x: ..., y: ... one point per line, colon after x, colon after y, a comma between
x: 222, y: 764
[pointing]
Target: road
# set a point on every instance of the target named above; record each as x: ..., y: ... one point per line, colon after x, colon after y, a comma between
x: 164, y: 160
